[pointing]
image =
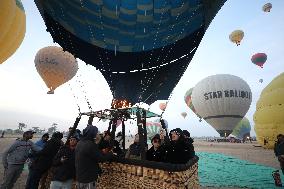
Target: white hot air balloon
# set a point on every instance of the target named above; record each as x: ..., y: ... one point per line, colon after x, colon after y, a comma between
x: 222, y: 101
x: 267, y: 7
x: 55, y: 66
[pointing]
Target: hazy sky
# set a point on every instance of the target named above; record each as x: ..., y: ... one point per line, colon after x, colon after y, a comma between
x: 23, y: 95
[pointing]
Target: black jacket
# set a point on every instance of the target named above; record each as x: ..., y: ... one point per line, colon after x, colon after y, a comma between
x: 44, y: 158
x: 158, y: 155
x: 178, y: 152
x: 189, y: 148
x: 65, y: 170
x: 87, y: 157
x: 279, y: 148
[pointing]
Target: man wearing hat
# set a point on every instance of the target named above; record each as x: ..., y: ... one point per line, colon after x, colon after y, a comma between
x: 15, y: 157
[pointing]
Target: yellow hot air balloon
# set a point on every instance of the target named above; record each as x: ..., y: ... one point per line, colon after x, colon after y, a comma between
x: 269, y: 115
x: 12, y: 27
x: 237, y: 36
x: 55, y: 66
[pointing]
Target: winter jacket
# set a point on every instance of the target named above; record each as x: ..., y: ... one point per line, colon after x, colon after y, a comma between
x: 41, y: 143
x: 65, y: 170
x: 189, y: 148
x: 155, y: 155
x: 178, y: 152
x: 279, y: 148
x: 87, y: 157
x: 134, y: 151
x: 18, y: 152
x: 44, y: 158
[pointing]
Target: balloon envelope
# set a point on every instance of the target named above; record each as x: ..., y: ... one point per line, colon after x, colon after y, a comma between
x: 188, y: 101
x: 12, y: 27
x: 259, y: 59
x: 142, y: 48
x: 242, y: 129
x: 237, y: 36
x: 268, y: 117
x: 163, y: 106
x: 55, y: 66
x: 183, y: 114
x: 222, y: 100
x: 267, y: 7
x: 153, y: 128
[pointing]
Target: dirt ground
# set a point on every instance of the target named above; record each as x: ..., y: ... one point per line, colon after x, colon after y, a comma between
x: 246, y: 151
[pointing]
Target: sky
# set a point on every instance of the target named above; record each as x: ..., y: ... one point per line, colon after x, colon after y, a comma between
x: 23, y: 95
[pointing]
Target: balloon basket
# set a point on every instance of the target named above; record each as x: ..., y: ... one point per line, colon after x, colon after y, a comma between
x: 137, y: 174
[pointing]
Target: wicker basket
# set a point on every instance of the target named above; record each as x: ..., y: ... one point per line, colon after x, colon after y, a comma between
x: 135, y: 174
x: 127, y: 176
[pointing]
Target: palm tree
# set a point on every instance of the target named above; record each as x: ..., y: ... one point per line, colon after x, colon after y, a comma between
x: 21, y: 126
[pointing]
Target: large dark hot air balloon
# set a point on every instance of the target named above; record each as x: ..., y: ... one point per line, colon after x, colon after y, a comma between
x: 141, y: 47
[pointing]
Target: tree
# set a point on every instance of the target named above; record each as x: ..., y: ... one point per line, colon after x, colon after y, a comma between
x: 36, y: 129
x: 21, y: 126
x: 53, y: 128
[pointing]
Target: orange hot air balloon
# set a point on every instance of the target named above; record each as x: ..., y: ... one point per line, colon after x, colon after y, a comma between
x: 163, y: 106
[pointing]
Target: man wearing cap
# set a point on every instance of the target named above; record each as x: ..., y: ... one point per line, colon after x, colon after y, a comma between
x: 15, y: 157
x: 87, y: 157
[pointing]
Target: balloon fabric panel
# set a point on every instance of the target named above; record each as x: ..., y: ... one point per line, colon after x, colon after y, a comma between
x: 268, y: 117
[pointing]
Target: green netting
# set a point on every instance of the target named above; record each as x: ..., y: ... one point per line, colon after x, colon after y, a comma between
x: 219, y: 170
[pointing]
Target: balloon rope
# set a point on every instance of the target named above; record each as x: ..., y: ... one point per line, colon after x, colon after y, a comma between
x: 85, y: 93
x: 76, y: 99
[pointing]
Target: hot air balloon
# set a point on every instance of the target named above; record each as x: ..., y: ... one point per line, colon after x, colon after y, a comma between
x: 12, y: 27
x: 183, y: 114
x: 259, y: 59
x: 222, y: 100
x: 142, y: 48
x: 268, y: 117
x: 260, y: 80
x: 242, y: 130
x: 163, y: 106
x: 267, y: 7
x: 188, y: 101
x: 55, y: 66
x: 153, y: 128
x: 237, y: 36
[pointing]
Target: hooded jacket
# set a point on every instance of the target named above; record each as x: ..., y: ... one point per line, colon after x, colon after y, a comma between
x: 18, y: 152
x: 88, y: 156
